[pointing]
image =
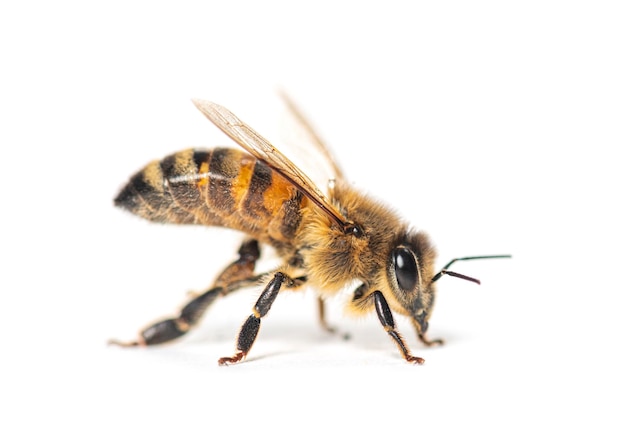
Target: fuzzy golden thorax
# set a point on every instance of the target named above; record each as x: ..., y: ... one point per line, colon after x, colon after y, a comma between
x: 335, y: 260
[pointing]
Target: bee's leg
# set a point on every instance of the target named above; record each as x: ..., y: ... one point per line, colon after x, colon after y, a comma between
x: 428, y: 342
x: 321, y: 309
x: 237, y: 275
x: 172, y: 328
x: 250, y: 327
x: 386, y: 319
x: 243, y: 267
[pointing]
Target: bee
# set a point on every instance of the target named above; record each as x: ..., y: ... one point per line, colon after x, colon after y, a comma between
x: 327, y: 241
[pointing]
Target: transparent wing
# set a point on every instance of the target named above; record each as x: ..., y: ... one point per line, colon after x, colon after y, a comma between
x: 311, y: 153
x: 262, y: 149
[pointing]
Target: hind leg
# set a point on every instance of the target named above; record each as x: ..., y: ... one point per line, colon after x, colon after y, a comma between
x: 237, y: 275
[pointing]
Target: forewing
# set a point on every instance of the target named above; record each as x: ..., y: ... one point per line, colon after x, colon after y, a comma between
x: 262, y: 149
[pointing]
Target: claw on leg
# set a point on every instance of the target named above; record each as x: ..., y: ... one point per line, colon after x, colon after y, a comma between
x: 414, y: 359
x: 127, y: 344
x: 225, y: 361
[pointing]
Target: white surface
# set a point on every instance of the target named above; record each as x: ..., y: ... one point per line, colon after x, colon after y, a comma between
x: 496, y: 128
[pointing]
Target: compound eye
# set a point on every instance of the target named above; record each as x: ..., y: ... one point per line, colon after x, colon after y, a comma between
x: 405, y: 267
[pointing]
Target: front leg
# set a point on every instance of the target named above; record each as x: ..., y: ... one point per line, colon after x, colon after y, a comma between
x: 429, y: 342
x: 386, y: 319
x: 421, y: 326
x: 250, y: 328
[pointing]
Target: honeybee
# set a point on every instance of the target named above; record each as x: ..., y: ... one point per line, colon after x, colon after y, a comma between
x: 327, y: 241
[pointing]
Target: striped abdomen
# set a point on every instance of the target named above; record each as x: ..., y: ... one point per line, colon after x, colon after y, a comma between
x: 217, y: 187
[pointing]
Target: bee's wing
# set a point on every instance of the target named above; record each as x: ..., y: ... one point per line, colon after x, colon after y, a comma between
x: 315, y: 158
x: 258, y: 146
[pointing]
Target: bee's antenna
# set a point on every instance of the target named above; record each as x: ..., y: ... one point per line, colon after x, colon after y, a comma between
x: 445, y: 270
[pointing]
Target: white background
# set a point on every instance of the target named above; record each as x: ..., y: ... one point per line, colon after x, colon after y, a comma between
x: 497, y: 128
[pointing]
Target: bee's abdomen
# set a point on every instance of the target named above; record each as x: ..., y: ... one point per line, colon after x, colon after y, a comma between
x: 219, y: 187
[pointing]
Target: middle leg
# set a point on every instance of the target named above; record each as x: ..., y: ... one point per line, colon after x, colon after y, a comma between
x: 250, y: 328
x: 321, y: 310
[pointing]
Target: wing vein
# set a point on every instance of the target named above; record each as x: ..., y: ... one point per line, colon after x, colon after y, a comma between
x: 262, y: 149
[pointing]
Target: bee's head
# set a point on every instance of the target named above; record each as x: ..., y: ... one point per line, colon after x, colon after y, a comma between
x: 411, y: 277
x: 410, y: 274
